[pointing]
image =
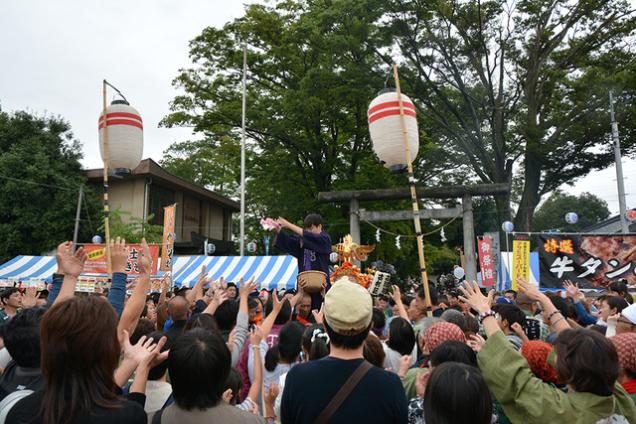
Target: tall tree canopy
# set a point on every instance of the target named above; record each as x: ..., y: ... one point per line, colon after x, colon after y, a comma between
x: 551, y: 214
x: 40, y: 176
x: 519, y: 85
x: 507, y: 92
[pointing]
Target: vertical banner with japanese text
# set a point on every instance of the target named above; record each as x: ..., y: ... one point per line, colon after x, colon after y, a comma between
x: 496, y: 254
x: 167, y: 244
x: 591, y: 260
x: 486, y: 262
x: 520, y: 259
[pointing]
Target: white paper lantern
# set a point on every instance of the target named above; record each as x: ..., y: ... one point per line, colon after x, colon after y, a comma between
x: 508, y: 227
x: 97, y: 239
x: 571, y: 218
x: 386, y: 129
x: 333, y: 257
x: 459, y: 272
x: 125, y: 136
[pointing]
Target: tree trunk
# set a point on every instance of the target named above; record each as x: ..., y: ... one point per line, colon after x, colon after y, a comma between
x: 530, y: 197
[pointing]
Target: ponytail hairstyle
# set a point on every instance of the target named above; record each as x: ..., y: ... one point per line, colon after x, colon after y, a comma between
x: 315, y: 342
x: 288, y: 347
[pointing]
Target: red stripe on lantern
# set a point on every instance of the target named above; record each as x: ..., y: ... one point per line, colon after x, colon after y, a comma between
x: 121, y: 115
x: 390, y: 112
x: 387, y: 105
x: 112, y: 122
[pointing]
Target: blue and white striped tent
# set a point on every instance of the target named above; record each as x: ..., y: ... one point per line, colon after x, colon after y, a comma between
x: 29, y: 267
x: 272, y: 272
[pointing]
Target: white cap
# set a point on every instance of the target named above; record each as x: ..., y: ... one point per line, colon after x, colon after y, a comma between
x: 630, y: 313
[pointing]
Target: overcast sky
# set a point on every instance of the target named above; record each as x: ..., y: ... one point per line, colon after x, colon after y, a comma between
x: 54, y: 56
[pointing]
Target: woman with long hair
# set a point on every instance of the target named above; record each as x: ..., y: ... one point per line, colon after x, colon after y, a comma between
x: 80, y: 352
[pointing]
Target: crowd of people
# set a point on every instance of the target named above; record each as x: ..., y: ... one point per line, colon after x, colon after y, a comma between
x: 230, y: 352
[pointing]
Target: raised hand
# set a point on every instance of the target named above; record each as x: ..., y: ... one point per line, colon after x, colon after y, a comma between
x: 319, y: 315
x: 247, y: 288
x: 476, y: 342
x: 473, y: 297
x: 256, y: 335
x: 572, y: 291
x: 271, y: 393
x: 30, y: 298
x: 277, y: 304
x: 396, y: 295
x: 118, y: 254
x: 72, y: 262
x: 420, y: 383
x: 145, y: 258
x: 529, y: 289
x: 59, y: 255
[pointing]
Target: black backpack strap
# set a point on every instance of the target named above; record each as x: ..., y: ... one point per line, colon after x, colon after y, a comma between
x: 156, y: 419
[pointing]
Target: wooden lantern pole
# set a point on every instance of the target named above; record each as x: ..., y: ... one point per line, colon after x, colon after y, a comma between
x: 416, y: 212
x: 106, y: 157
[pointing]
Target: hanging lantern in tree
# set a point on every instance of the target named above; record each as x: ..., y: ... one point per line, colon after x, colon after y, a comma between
x: 571, y: 218
x: 125, y: 136
x: 386, y: 129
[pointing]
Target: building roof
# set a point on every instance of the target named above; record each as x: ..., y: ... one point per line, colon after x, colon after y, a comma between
x: 609, y: 226
x: 150, y: 168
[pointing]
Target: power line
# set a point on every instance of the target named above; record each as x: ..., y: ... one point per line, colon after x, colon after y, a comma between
x: 18, y: 180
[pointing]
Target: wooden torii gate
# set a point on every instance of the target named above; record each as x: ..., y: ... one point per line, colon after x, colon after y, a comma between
x: 464, y: 192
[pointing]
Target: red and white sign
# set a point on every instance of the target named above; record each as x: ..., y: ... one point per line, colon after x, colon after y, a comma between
x: 486, y: 261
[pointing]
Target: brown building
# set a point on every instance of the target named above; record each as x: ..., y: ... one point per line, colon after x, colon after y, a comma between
x: 201, y: 213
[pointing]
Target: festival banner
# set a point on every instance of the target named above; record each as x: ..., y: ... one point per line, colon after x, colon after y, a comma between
x: 486, y: 262
x: 496, y: 255
x: 96, y: 262
x: 520, y: 259
x: 167, y: 250
x: 591, y: 260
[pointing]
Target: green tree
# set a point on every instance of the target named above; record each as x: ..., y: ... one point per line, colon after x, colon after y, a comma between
x: 133, y: 229
x: 517, y: 85
x: 40, y: 176
x: 210, y: 163
x: 551, y: 214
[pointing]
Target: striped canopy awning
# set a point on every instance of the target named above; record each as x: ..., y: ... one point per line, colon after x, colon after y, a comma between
x: 271, y: 272
x: 29, y: 267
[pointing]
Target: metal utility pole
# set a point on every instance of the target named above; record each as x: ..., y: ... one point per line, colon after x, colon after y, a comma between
x: 619, y: 168
x: 77, y: 214
x: 242, y: 241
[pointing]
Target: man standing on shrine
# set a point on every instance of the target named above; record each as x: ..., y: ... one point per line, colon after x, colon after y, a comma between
x: 311, y: 246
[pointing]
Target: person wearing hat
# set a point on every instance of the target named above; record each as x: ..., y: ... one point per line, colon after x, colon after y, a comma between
x: 344, y: 387
x: 627, y: 320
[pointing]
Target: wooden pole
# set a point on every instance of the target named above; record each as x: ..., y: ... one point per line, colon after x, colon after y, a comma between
x: 416, y: 212
x: 106, y: 158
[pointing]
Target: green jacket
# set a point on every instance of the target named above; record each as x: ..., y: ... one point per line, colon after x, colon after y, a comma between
x: 527, y: 399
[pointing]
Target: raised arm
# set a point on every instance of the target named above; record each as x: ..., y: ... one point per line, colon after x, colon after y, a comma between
x: 118, y: 259
x: 577, y: 297
x: 73, y: 264
x: 197, y: 289
x: 269, y: 320
x: 555, y: 319
x: 397, y: 298
x: 135, y: 305
x: 256, y: 336
x: 242, y: 319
